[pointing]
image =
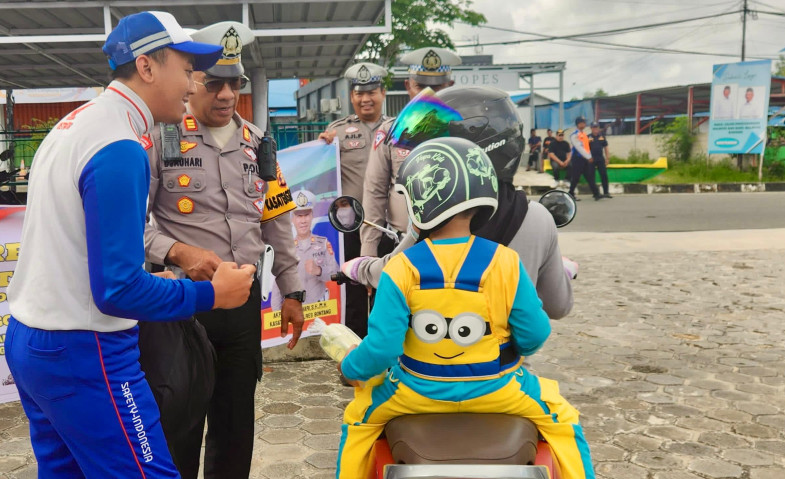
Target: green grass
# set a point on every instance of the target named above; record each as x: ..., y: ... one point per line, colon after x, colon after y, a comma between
x: 697, y: 171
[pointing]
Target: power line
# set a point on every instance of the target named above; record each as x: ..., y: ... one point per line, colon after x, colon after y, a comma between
x: 624, y: 20
x: 769, y: 6
x: 622, y: 47
x: 613, y: 46
x: 616, y: 31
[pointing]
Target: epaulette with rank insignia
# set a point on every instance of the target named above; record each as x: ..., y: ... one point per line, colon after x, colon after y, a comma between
x: 189, y: 123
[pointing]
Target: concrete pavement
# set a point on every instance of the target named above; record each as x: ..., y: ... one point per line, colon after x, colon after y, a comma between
x: 674, y: 354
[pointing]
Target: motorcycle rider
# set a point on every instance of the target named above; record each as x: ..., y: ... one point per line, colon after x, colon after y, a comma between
x: 454, y: 316
x: 527, y: 228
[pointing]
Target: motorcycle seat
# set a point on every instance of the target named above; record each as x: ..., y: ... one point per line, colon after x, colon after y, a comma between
x: 462, y: 439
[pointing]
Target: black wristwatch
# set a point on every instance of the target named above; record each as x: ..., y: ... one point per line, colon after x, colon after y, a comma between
x: 298, y: 295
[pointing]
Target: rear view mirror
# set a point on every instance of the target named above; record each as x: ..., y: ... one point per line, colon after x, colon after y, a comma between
x: 346, y: 214
x: 561, y: 206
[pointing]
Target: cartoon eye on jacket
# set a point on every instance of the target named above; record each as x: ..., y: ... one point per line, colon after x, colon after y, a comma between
x: 464, y: 330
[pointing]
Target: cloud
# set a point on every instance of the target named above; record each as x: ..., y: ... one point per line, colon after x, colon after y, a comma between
x: 589, y: 67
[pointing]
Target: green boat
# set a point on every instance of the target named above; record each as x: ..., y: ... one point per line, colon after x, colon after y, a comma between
x: 629, y: 173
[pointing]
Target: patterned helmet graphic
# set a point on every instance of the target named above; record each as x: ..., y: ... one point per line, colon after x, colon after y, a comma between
x: 445, y: 176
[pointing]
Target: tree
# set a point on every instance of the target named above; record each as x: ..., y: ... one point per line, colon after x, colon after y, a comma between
x: 779, y: 66
x: 678, y: 139
x: 599, y: 93
x: 415, y: 25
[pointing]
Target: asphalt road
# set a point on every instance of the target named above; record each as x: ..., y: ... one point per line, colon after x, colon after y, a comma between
x: 679, y: 212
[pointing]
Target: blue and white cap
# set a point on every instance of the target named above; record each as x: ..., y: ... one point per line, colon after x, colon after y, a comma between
x: 431, y: 65
x: 145, y: 32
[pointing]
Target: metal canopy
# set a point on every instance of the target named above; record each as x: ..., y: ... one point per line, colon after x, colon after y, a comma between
x: 50, y: 43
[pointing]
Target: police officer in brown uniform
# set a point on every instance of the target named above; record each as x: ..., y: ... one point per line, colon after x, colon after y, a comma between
x: 315, y: 255
x: 356, y: 134
x: 208, y: 203
x: 428, y: 67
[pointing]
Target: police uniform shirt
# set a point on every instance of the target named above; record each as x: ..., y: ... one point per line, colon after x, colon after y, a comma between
x: 380, y: 202
x: 318, y: 249
x: 213, y: 198
x: 355, y: 138
x: 597, y: 143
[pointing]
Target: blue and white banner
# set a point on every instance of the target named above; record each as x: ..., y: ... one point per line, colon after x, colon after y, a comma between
x: 739, y: 107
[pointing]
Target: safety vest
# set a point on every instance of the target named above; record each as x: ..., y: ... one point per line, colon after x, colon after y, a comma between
x: 458, y: 331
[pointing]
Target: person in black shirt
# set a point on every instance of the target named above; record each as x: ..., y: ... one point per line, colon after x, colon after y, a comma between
x: 559, y: 152
x: 599, y: 152
x: 535, y: 143
x: 546, y: 144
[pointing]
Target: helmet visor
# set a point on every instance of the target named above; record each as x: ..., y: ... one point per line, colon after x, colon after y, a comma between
x: 425, y: 117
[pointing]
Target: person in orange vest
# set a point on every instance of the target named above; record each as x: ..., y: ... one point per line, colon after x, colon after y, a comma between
x: 582, y: 162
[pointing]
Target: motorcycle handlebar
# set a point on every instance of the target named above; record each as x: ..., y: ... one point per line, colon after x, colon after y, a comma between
x: 340, y: 278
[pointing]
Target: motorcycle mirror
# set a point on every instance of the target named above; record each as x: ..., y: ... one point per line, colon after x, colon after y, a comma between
x: 346, y: 214
x: 561, y: 206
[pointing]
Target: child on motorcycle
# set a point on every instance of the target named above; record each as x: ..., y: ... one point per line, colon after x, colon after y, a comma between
x: 454, y: 316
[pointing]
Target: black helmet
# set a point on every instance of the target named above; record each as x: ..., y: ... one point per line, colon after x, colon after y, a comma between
x: 445, y: 176
x: 490, y: 120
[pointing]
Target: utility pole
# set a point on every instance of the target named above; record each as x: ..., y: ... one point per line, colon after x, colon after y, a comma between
x: 743, y: 30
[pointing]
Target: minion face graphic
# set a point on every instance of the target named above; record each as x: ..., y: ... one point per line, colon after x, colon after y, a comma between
x: 464, y: 338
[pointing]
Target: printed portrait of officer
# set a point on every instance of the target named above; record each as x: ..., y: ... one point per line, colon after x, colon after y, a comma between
x: 315, y: 255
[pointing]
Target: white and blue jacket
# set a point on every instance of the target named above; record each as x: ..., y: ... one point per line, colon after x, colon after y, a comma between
x: 82, y: 248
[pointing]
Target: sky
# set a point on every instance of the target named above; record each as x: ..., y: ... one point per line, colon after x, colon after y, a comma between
x: 589, y: 67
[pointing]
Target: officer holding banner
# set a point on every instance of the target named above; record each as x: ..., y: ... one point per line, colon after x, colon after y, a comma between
x: 207, y: 200
x: 428, y: 67
x: 355, y: 134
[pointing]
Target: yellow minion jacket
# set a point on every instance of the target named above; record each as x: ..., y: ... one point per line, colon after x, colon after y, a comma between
x: 461, y: 309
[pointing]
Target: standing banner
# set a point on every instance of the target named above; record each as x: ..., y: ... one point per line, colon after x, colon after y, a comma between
x: 10, y: 233
x: 312, y: 173
x: 739, y: 107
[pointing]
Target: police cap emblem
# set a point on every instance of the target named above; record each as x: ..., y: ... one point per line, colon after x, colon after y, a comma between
x: 363, y: 76
x: 232, y: 44
x: 431, y: 60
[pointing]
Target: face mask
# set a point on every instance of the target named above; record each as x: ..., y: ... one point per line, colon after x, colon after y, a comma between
x: 346, y: 216
x: 411, y: 231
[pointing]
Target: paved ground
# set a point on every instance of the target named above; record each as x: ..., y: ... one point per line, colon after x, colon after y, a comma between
x: 676, y: 361
x: 680, y: 212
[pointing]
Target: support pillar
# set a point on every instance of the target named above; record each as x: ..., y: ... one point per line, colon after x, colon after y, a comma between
x: 637, y: 114
x: 531, y: 102
x: 259, y: 97
x: 561, y: 99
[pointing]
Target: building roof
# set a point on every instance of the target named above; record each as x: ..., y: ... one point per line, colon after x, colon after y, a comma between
x: 671, y: 100
x: 57, y: 43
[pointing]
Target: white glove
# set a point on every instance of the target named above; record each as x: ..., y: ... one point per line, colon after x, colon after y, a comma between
x: 570, y: 267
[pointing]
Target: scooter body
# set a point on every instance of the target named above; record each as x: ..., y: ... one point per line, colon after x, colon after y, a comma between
x: 463, y: 446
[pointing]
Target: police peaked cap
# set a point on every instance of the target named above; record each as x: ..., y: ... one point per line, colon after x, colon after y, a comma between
x: 365, y: 76
x: 231, y: 36
x: 431, y: 65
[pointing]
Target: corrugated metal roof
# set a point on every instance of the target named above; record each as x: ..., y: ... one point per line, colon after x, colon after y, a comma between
x: 57, y: 43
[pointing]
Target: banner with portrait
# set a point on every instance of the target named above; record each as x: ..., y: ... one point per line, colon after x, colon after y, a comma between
x: 312, y: 173
x: 11, y: 218
x: 739, y: 107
